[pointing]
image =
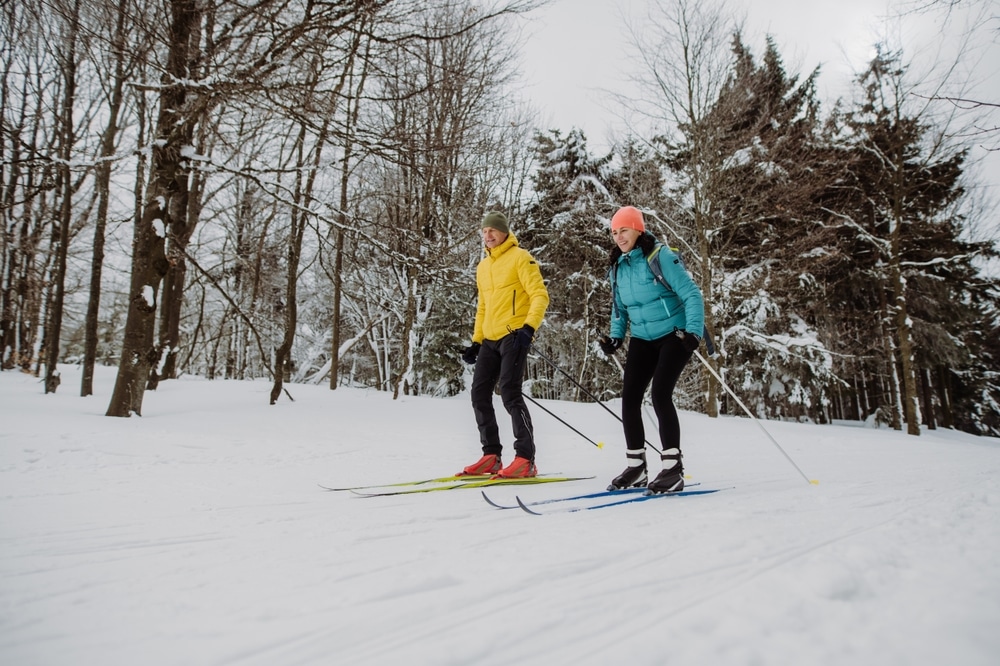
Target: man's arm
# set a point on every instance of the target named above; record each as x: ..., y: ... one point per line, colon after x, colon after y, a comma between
x: 530, y: 276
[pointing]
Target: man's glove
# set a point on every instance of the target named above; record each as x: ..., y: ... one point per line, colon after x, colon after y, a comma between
x: 689, y: 341
x: 471, y: 353
x: 609, y: 345
x: 523, y: 337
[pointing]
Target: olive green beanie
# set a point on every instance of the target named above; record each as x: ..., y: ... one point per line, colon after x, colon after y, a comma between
x: 496, y: 220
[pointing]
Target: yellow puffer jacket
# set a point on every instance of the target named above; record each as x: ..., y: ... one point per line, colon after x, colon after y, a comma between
x: 511, y: 292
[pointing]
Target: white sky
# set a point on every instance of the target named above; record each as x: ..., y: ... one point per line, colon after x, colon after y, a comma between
x: 572, y: 55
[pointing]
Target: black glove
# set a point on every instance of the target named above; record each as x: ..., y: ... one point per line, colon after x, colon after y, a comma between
x: 523, y: 337
x: 471, y: 353
x: 689, y: 341
x: 609, y: 345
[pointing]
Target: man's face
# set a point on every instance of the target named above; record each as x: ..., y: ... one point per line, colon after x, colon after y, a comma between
x: 493, y: 237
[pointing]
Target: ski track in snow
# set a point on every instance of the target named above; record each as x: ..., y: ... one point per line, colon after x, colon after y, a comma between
x: 197, y: 534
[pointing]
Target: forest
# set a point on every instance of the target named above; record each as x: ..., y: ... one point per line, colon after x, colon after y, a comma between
x: 290, y: 191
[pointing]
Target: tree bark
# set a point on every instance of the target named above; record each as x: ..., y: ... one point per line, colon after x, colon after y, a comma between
x: 165, y: 202
x: 928, y: 395
x: 54, y: 327
x: 103, y: 184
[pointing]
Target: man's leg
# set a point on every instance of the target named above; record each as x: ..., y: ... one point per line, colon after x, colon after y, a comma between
x: 484, y: 378
x: 512, y: 362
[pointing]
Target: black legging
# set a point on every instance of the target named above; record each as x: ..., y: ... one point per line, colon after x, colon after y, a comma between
x: 661, y: 362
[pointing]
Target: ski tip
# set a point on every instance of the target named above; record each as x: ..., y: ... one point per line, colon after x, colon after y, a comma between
x: 600, y: 445
x: 489, y: 501
x: 524, y: 507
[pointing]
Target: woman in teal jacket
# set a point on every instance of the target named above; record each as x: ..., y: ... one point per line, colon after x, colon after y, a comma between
x: 665, y: 319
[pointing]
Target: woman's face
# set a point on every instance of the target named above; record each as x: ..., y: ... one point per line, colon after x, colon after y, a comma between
x: 625, y: 238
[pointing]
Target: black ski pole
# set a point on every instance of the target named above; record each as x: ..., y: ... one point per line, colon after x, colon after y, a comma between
x: 573, y: 379
x: 599, y: 445
x: 584, y: 389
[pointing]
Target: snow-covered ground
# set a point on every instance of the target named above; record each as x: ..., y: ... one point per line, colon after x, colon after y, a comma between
x: 197, y: 534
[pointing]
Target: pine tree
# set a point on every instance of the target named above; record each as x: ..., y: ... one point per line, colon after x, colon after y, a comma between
x: 566, y: 230
x: 760, y: 195
x: 905, y: 182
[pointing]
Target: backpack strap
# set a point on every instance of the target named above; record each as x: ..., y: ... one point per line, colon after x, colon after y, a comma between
x: 654, y: 265
x: 613, y: 276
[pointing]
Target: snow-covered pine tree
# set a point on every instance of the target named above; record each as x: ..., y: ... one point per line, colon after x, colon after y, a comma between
x: 758, y: 199
x: 924, y: 292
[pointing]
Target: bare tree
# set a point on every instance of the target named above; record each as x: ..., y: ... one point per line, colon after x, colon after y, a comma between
x: 443, y: 101
x: 684, y: 55
x: 121, y: 62
x: 213, y: 52
x: 165, y: 202
x: 67, y: 57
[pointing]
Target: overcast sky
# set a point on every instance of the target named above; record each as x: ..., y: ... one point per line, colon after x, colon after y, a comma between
x: 574, y: 52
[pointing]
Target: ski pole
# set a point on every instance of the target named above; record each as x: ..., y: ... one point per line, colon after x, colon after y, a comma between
x: 584, y: 389
x: 755, y: 419
x: 599, y: 445
x: 573, y: 379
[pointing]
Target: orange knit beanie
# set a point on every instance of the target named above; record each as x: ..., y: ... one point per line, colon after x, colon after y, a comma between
x: 630, y: 217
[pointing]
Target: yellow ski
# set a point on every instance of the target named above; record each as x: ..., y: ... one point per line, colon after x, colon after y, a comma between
x: 481, y: 483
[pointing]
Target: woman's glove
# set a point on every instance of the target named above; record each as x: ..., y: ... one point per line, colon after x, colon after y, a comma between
x: 689, y: 341
x: 609, y: 345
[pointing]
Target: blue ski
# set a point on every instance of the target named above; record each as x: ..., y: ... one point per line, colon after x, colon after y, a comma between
x: 628, y: 500
x: 596, y: 495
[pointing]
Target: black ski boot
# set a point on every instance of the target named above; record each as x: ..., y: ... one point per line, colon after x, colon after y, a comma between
x: 671, y: 478
x: 635, y: 474
x: 667, y: 481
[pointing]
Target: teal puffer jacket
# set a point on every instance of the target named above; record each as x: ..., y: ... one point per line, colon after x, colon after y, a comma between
x: 649, y: 309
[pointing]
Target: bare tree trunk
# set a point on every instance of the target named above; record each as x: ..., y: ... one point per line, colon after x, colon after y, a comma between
x: 944, y: 396
x: 282, y: 353
x: 103, y: 185
x: 54, y: 328
x: 712, y: 388
x: 165, y: 202
x: 338, y: 272
x: 172, y: 301
x: 904, y: 332
x: 303, y: 194
x: 352, y: 106
x: 891, y: 364
x: 928, y: 396
x: 909, y: 398
x: 409, y: 320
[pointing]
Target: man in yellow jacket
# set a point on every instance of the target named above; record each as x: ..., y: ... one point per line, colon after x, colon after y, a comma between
x: 512, y: 303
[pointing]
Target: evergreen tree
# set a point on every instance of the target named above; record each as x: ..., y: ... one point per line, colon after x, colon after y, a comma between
x: 566, y: 230
x: 905, y: 183
x: 761, y: 199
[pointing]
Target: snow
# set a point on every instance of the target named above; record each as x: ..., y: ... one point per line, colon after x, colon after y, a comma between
x: 197, y: 534
x: 148, y: 296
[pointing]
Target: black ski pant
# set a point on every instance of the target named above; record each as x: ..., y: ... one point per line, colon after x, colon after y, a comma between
x: 500, y: 362
x: 658, y: 361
